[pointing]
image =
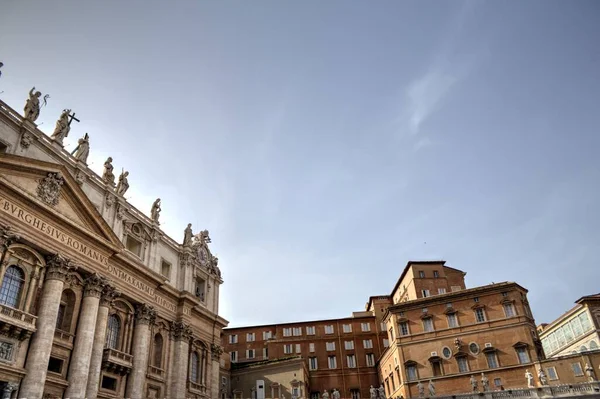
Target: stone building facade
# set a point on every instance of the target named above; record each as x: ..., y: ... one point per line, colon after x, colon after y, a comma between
x: 95, y: 299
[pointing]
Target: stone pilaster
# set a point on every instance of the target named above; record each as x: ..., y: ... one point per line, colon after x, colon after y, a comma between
x: 181, y: 334
x: 57, y: 268
x: 8, y: 389
x: 82, y: 350
x: 106, y: 299
x: 144, y: 316
x: 214, y: 383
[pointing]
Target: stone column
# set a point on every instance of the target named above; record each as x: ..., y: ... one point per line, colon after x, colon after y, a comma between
x: 57, y: 268
x: 79, y: 366
x: 180, y: 335
x: 93, y: 381
x: 213, y: 383
x: 8, y: 390
x: 144, y: 315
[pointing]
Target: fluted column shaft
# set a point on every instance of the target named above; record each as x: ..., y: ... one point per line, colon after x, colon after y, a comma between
x: 144, y: 316
x: 41, y: 341
x: 180, y: 334
x: 79, y: 366
x: 93, y: 380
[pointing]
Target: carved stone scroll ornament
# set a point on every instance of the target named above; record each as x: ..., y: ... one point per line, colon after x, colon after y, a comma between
x: 94, y: 285
x: 49, y: 187
x: 109, y: 294
x: 180, y: 331
x: 7, y: 237
x: 217, y: 351
x: 58, y: 267
x: 145, y: 314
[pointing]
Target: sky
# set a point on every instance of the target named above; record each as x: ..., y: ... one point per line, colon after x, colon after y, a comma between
x: 325, y: 144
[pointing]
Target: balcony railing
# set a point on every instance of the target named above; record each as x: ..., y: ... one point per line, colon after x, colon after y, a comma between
x: 16, y: 323
x: 590, y: 389
x: 117, y: 361
x: 156, y: 372
x: 193, y: 386
x: 63, y: 336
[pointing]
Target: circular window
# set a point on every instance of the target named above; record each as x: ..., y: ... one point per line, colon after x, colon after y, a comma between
x: 446, y: 352
x: 474, y: 348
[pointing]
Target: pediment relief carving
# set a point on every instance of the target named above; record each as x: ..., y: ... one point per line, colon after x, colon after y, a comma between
x: 138, y: 230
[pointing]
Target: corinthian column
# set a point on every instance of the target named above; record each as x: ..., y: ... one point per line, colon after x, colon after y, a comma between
x: 82, y: 350
x: 144, y: 316
x: 180, y: 335
x: 93, y: 381
x: 57, y: 268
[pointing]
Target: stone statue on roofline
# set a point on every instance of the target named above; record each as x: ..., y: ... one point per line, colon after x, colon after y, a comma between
x: 485, y: 383
x: 187, y: 235
x: 421, y: 389
x: 529, y: 378
x: 32, y: 106
x: 473, y: 382
x: 62, y: 127
x: 542, y: 377
x: 381, y: 392
x: 373, y: 392
x: 155, y: 211
x: 123, y: 184
x: 82, y: 150
x: 108, y: 175
x: 335, y: 394
x: 325, y: 394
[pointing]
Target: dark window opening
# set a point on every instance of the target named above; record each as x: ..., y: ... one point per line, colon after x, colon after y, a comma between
x: 55, y: 365
x: 109, y: 383
x: 3, y: 147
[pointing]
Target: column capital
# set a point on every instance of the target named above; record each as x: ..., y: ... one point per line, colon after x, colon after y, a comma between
x: 217, y: 351
x: 145, y: 314
x: 58, y: 267
x: 180, y: 331
x: 94, y: 285
x: 7, y: 237
x: 109, y: 294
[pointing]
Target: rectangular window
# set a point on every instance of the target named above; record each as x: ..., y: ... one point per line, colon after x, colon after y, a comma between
x: 55, y: 365
x: 109, y: 383
x: 386, y: 342
x: 133, y: 246
x: 298, y: 348
x: 265, y: 353
x: 310, y: 330
x: 250, y: 337
x: 329, y: 329
x: 233, y: 339
x: 233, y: 356
x: 331, y: 362
x: 297, y: 331
x: 351, y: 361
x: 479, y: 315
x: 311, y: 347
x: 428, y: 324
x: 312, y: 363
x: 425, y: 293
x: 392, y: 381
x: 382, y: 326
x: 551, y: 372
x: 577, y: 369
x: 436, y: 274
x: 347, y: 328
x: 365, y: 327
x: 523, y: 355
x: 249, y: 353
x: 492, y: 361
x: 330, y: 346
x: 421, y: 274
x: 452, y: 320
x: 287, y: 349
x: 411, y: 373
x: 370, y: 360
x: 403, y: 327
x: 441, y: 291
x: 509, y: 310
x: 367, y: 343
x: 391, y: 334
x: 348, y: 345
x: 455, y: 288
x: 287, y: 332
x: 267, y: 335
x: 463, y: 364
x: 354, y: 394
x: 497, y: 382
x: 165, y: 269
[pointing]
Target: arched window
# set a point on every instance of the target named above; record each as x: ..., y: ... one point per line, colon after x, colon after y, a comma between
x: 158, y: 349
x: 12, y: 285
x: 583, y: 348
x: 195, y: 360
x: 593, y: 345
x: 114, y: 329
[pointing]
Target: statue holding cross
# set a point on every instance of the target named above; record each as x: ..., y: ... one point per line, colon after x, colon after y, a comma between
x: 63, y: 126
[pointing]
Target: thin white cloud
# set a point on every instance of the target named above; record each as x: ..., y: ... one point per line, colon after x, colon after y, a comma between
x: 423, y: 143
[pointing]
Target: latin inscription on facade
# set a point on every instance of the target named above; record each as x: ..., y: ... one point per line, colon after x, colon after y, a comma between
x: 141, y: 286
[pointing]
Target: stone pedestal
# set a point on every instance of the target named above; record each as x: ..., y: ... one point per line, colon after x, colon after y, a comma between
x: 41, y: 341
x: 84, y: 339
x: 93, y: 380
x: 180, y: 335
x: 144, y: 316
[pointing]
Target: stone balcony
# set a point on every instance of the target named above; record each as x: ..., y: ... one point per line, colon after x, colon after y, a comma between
x: 15, y: 323
x: 156, y: 373
x: 64, y: 338
x: 195, y: 387
x: 116, y: 361
x: 586, y: 390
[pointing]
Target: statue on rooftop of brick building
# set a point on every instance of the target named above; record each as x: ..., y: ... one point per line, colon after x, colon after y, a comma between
x: 473, y: 382
x: 529, y: 378
x: 335, y: 394
x: 485, y: 383
x: 542, y: 377
x: 421, y: 389
x: 381, y: 392
x: 325, y: 394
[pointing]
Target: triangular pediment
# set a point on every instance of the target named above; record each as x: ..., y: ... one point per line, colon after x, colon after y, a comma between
x: 22, y: 176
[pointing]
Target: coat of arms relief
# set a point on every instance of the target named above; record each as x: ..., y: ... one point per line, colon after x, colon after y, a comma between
x: 48, y: 189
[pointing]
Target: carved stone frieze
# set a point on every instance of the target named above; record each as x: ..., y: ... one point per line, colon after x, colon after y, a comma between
x: 216, y: 351
x: 49, y: 187
x: 26, y: 140
x: 109, y: 294
x: 180, y: 331
x: 145, y: 314
x: 7, y: 237
x: 58, y: 267
x: 94, y: 285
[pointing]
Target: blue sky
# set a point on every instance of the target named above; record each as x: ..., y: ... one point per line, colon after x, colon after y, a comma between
x: 325, y: 144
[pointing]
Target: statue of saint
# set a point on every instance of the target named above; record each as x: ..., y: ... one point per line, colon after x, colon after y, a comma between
x: 373, y: 392
x: 108, y: 176
x: 32, y: 106
x: 485, y: 383
x: 529, y: 378
x: 381, y: 392
x: 589, y: 371
x: 335, y: 394
x: 542, y: 377
x: 325, y: 394
x: 473, y: 382
x: 155, y: 212
x: 82, y: 150
x: 431, y: 388
x: 123, y: 184
x: 62, y: 127
x: 187, y: 235
x: 421, y: 389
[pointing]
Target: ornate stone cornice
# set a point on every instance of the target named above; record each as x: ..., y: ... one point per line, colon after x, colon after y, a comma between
x: 94, y: 285
x: 145, y: 314
x: 7, y: 237
x: 216, y: 351
x: 109, y: 294
x: 180, y: 331
x: 58, y: 267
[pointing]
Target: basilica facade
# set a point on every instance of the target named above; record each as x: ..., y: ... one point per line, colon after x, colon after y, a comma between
x: 96, y: 301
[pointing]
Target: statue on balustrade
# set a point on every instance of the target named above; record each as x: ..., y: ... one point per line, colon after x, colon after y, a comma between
x: 421, y: 389
x: 431, y: 388
x: 542, y: 377
x: 62, y: 127
x: 529, y: 378
x: 32, y: 106
x: 473, y: 382
x: 485, y: 383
